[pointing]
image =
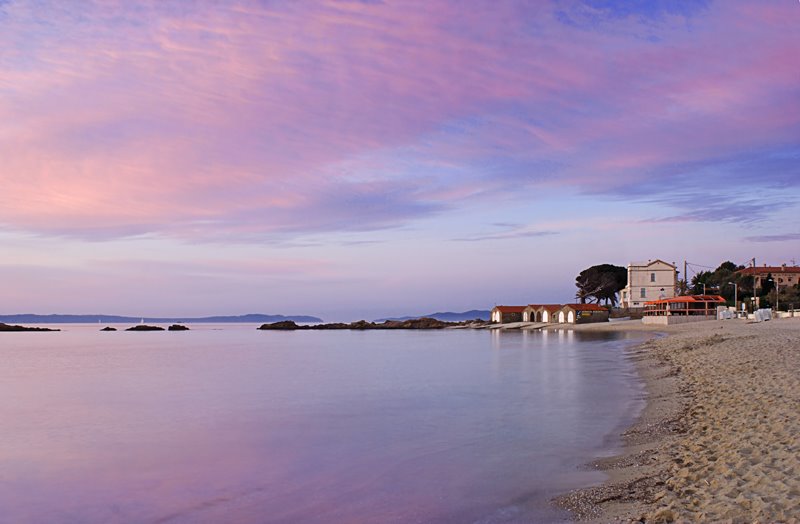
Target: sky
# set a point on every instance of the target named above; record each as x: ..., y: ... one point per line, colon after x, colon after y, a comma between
x: 362, y: 159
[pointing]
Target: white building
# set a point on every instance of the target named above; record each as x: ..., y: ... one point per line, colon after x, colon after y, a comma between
x: 651, y: 280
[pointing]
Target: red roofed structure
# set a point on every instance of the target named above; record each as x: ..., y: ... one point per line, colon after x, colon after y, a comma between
x: 582, y: 314
x: 538, y: 312
x: 587, y: 307
x: 506, y: 314
x: 678, y: 310
x: 549, y: 312
x: 783, y: 276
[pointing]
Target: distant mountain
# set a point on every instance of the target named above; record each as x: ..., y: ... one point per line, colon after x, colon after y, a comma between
x: 114, y: 319
x: 447, y: 316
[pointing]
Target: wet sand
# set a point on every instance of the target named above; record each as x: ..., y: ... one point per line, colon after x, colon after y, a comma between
x: 719, y: 439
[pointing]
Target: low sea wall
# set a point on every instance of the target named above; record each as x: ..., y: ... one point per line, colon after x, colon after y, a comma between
x: 669, y: 320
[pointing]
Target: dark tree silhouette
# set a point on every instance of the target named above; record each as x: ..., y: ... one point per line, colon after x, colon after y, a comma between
x: 601, y: 282
x: 718, y: 281
x: 767, y: 285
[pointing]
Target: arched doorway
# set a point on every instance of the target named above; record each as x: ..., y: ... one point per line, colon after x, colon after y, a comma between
x: 560, y: 317
x: 571, y: 317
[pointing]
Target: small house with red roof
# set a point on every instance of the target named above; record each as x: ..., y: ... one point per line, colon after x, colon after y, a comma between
x: 783, y: 276
x: 545, y: 312
x: 533, y: 313
x: 582, y: 314
x: 507, y: 314
x: 529, y: 313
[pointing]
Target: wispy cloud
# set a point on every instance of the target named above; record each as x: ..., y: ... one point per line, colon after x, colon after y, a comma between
x: 246, y: 121
x: 785, y: 237
x: 721, y: 208
x: 506, y: 235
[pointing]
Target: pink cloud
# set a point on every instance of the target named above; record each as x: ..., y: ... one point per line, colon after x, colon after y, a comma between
x: 240, y: 121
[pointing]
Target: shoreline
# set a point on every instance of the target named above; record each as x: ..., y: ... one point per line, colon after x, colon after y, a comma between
x: 718, y: 438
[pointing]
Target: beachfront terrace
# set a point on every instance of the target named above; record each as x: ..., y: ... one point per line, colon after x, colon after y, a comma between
x: 679, y: 310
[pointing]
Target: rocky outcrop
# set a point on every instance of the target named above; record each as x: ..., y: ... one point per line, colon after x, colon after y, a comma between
x: 109, y: 328
x: 177, y: 327
x: 283, y: 325
x: 419, y: 323
x: 8, y: 327
x: 416, y: 323
x: 144, y: 327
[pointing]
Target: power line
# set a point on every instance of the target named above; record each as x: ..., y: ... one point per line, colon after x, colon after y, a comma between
x: 699, y: 265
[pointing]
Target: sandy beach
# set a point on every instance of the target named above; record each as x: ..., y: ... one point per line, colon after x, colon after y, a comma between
x: 719, y: 439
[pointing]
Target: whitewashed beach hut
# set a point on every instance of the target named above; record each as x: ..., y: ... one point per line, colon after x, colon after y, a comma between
x: 582, y: 314
x: 532, y: 313
x: 507, y: 314
x: 548, y: 313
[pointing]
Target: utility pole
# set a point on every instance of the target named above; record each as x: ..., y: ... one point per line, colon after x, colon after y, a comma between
x: 735, y: 296
x: 685, y: 278
x: 754, y: 285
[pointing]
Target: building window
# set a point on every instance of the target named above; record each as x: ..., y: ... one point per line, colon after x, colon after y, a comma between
x: 643, y: 293
x: 652, y: 277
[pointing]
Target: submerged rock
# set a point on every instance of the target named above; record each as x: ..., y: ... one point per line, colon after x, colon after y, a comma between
x: 144, y: 327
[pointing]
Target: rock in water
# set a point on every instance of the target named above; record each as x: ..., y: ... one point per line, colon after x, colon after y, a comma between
x: 144, y: 327
x: 283, y: 325
x: 8, y: 327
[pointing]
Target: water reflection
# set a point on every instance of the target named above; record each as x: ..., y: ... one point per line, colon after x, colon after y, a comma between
x: 246, y: 426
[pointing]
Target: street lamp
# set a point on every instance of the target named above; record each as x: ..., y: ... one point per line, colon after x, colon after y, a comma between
x: 735, y: 295
x: 775, y: 285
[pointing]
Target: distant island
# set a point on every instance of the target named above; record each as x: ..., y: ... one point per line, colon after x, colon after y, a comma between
x: 29, y: 318
x: 446, y: 316
x: 7, y: 327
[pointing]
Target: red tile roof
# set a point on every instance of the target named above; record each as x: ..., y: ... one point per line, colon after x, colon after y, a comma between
x: 688, y: 298
x: 763, y: 270
x: 551, y: 307
x: 510, y: 309
x: 537, y: 306
x: 586, y: 307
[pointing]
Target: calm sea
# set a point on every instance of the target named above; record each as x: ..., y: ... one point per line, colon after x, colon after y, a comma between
x: 230, y: 424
